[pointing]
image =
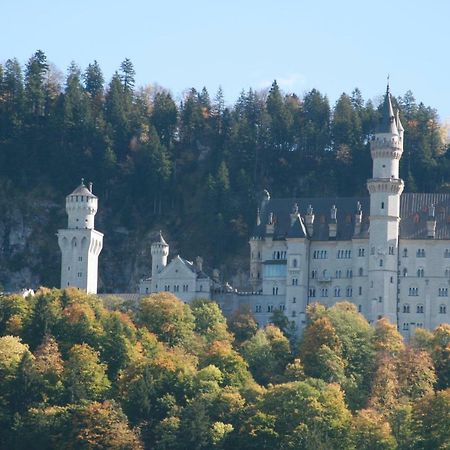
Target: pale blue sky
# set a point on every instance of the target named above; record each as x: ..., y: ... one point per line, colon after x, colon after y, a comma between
x: 330, y: 45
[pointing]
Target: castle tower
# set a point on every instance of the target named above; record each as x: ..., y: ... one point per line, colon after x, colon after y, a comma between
x: 80, y: 244
x: 385, y: 189
x: 160, y: 252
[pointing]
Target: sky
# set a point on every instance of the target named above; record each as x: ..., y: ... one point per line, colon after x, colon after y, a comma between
x: 333, y: 46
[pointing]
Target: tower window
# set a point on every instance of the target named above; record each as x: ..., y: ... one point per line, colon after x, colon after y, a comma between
x: 419, y: 309
x: 406, y: 308
x: 382, y: 205
x: 442, y: 309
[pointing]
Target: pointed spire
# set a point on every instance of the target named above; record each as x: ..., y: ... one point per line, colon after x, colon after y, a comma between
x: 399, y: 124
x: 387, y: 122
x: 161, y: 239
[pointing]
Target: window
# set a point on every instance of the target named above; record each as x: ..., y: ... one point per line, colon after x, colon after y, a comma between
x: 338, y: 273
x: 380, y: 299
x: 442, y: 309
x: 337, y: 291
x: 294, y: 313
x: 349, y: 292
x: 275, y: 290
x: 392, y: 280
x: 406, y: 308
x: 360, y: 290
x: 80, y: 258
x: 349, y: 273
x: 294, y: 281
x: 359, y: 308
x: 314, y: 274
x: 201, y: 287
x: 405, y: 272
x: 413, y: 291
x: 372, y: 250
x: 281, y: 306
x: 443, y: 292
x: 381, y: 263
x: 80, y: 274
x: 294, y: 300
x: 420, y: 253
x: 419, y: 325
x: 405, y: 326
x: 382, y: 205
x: 419, y: 309
x: 312, y: 292
x: 405, y: 253
x: 258, y: 308
x: 324, y: 292
x: 420, y: 272
x: 360, y: 271
x: 361, y: 252
x: 391, y: 249
x: 447, y: 272
x: 447, y: 253
x: 294, y: 263
x: 270, y: 308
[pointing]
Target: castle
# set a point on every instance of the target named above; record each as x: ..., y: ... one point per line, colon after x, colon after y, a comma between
x: 388, y: 253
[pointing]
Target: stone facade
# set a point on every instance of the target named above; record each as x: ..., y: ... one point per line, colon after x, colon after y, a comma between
x: 181, y: 277
x: 388, y: 253
x: 80, y: 243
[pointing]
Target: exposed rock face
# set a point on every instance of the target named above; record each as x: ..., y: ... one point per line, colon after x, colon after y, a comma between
x: 30, y: 257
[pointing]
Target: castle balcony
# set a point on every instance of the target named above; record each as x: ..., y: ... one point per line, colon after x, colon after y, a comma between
x: 324, y: 278
x: 392, y: 185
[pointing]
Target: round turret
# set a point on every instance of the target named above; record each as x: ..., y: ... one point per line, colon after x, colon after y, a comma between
x: 160, y: 252
x: 81, y: 207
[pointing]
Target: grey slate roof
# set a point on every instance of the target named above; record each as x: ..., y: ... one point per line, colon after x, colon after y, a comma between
x: 83, y: 190
x: 413, y: 213
x: 387, y: 122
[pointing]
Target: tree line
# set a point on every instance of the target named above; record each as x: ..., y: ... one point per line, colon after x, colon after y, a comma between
x: 168, y: 376
x: 198, y: 166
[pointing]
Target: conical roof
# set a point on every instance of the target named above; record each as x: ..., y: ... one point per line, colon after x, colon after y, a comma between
x: 160, y: 239
x: 387, y: 122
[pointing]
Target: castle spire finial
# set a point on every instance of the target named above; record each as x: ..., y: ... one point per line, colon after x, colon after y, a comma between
x: 82, y: 181
x: 387, y: 85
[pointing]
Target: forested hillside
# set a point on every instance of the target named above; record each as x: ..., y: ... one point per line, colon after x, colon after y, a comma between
x: 194, y: 168
x: 168, y: 376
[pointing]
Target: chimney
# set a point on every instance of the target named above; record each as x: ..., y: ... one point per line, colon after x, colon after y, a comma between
x: 358, y: 219
x: 90, y: 187
x: 431, y: 222
x: 270, y: 226
x: 332, y: 226
x: 294, y: 213
x: 309, y: 220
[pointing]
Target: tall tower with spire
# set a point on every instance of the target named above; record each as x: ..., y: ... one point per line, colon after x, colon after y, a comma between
x: 160, y: 252
x: 80, y: 243
x: 385, y: 188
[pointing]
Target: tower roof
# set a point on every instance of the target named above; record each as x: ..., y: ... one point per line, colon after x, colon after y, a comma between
x: 387, y: 122
x: 160, y: 239
x: 83, y: 190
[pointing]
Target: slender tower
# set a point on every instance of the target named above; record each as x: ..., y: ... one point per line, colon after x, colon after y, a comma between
x: 80, y: 244
x: 385, y: 189
x: 160, y: 252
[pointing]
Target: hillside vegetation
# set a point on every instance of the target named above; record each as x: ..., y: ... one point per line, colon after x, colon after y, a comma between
x: 168, y: 376
x: 194, y: 168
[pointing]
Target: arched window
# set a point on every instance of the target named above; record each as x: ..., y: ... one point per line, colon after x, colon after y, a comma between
x: 381, y: 263
x: 349, y: 291
x: 258, y: 308
x: 419, y: 309
x: 270, y: 308
x: 420, y: 272
x: 406, y: 308
x: 442, y: 309
x: 405, y: 326
x: 337, y: 291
